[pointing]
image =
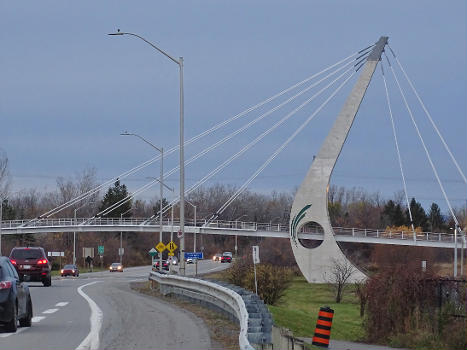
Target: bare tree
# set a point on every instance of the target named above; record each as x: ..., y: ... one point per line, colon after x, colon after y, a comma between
x: 341, y: 271
x: 4, y: 174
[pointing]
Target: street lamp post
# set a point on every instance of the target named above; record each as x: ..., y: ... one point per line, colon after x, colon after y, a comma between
x: 120, y: 251
x: 74, y: 232
x: 194, y: 232
x: 161, y: 182
x: 182, y: 143
x: 236, y: 247
x: 1, y: 218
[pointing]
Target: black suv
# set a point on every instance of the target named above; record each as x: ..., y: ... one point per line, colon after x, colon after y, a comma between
x: 31, y: 262
x: 15, y: 300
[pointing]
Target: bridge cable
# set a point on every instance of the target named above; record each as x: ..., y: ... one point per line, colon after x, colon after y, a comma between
x: 279, y: 150
x: 424, y: 147
x: 248, y: 125
x: 191, y: 140
x: 398, y: 151
x: 248, y: 146
x: 429, y: 117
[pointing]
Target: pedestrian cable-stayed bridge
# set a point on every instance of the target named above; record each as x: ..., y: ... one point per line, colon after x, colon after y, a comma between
x: 310, y: 204
x: 233, y: 228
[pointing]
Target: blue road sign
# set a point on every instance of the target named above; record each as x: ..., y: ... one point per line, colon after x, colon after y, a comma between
x: 194, y: 255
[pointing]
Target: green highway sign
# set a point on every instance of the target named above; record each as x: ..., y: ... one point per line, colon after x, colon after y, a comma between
x: 100, y: 249
x: 152, y: 252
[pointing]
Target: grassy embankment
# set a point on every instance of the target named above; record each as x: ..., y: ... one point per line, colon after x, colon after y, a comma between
x: 298, y: 309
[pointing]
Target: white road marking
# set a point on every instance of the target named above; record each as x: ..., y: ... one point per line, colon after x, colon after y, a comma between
x: 4, y: 335
x: 36, y: 319
x: 62, y: 303
x: 137, y: 280
x: 91, y: 342
x: 49, y: 311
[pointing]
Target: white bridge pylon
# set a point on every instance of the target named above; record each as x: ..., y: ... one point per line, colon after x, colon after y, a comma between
x: 311, y: 201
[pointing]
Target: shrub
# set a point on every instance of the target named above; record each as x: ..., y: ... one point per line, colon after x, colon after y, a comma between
x: 272, y: 280
x: 239, y: 270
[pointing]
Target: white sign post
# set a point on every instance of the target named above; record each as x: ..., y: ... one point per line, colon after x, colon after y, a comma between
x: 255, y: 261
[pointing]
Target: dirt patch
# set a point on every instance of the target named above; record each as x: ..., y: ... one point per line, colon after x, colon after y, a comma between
x: 223, y: 332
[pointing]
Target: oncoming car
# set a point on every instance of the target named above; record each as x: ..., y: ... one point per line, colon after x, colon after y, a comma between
x: 69, y: 270
x: 116, y: 267
x: 216, y: 257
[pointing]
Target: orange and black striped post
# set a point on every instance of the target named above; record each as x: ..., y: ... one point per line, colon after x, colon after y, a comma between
x: 323, y: 327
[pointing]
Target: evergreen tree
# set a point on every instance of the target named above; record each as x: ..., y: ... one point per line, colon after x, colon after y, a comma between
x: 392, y: 214
x: 113, y: 195
x: 8, y: 212
x: 418, y: 215
x: 435, y: 218
x: 398, y: 217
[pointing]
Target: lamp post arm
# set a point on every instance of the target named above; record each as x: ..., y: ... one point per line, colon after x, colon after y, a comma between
x: 150, y: 43
x: 141, y: 138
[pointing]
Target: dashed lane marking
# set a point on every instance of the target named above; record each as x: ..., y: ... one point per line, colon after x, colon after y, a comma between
x: 4, y: 335
x: 62, y: 303
x: 49, y: 311
x: 36, y: 319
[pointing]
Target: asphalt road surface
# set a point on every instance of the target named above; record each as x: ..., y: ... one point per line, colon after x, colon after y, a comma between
x: 100, y: 311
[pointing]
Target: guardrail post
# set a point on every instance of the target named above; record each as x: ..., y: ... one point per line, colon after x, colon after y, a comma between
x: 365, y: 232
x: 402, y: 235
x: 353, y: 232
x: 439, y: 236
x: 377, y: 233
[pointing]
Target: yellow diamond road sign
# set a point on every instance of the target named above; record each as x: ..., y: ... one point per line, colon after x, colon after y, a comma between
x: 171, y: 246
x: 160, y: 247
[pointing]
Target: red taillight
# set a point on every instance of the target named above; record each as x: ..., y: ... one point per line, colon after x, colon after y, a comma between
x: 5, y: 285
x: 13, y: 261
x: 42, y: 262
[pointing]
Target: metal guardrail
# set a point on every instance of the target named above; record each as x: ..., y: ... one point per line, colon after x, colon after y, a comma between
x: 213, y: 290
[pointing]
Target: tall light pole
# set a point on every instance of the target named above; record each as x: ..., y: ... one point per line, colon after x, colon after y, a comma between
x: 182, y: 143
x: 1, y: 218
x: 120, y: 252
x: 236, y: 247
x: 194, y: 232
x: 74, y: 232
x: 161, y: 182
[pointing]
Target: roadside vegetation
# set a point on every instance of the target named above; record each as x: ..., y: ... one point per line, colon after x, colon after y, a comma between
x: 298, y: 309
x: 412, y: 308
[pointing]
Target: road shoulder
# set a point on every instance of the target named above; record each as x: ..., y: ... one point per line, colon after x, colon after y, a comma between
x: 223, y: 332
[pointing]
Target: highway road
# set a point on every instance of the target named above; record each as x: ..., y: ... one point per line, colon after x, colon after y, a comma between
x: 100, y: 311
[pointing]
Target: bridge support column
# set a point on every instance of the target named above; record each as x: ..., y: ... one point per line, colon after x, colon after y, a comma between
x: 311, y: 200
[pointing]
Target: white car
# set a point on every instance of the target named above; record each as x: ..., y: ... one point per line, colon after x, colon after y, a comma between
x: 190, y: 261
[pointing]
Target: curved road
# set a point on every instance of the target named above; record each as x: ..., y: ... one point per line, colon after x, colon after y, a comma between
x: 100, y: 311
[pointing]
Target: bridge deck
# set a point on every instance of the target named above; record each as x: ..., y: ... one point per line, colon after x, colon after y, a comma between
x: 232, y: 228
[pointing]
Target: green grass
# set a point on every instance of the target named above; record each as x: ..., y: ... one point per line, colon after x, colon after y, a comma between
x: 298, y: 310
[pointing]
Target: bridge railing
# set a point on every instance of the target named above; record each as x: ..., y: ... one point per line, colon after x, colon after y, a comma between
x: 231, y: 225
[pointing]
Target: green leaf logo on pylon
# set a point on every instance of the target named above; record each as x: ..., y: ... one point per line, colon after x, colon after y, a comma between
x: 295, y: 221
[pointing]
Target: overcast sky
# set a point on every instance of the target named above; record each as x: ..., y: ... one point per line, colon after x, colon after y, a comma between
x: 67, y: 89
